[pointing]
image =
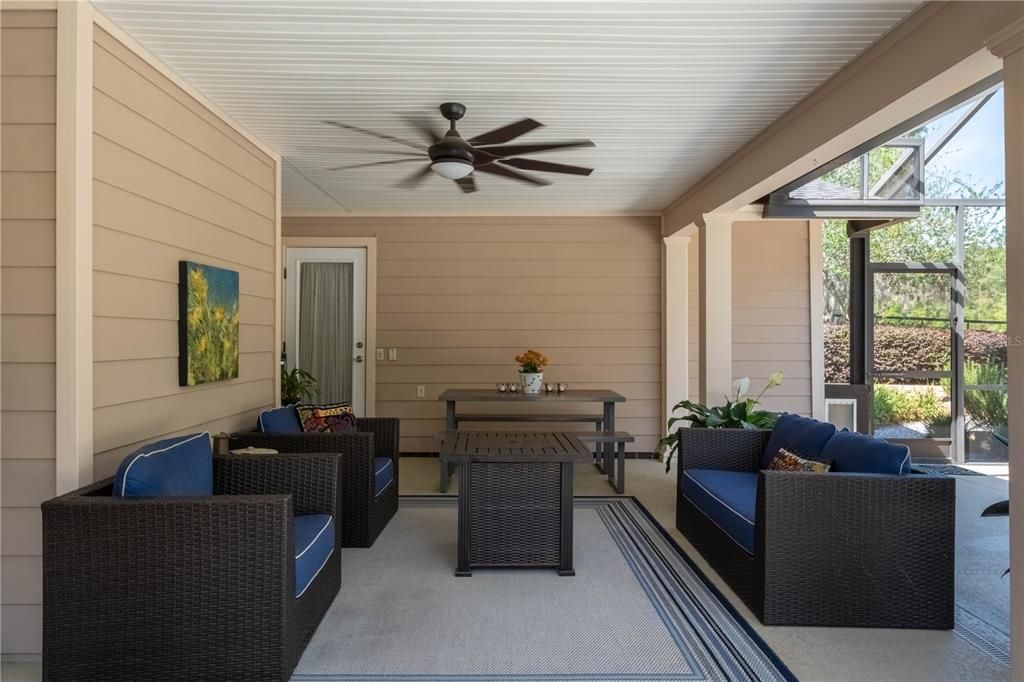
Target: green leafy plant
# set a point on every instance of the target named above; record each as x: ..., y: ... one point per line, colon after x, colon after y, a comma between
x: 298, y: 386
x: 900, y: 405
x: 737, y: 413
x: 986, y: 407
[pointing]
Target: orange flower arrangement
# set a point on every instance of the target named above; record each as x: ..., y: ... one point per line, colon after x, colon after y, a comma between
x: 531, y: 362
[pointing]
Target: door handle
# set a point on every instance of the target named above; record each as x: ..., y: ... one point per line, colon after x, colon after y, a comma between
x: 359, y: 358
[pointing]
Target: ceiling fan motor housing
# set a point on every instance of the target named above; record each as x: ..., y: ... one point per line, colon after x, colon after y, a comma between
x: 451, y: 147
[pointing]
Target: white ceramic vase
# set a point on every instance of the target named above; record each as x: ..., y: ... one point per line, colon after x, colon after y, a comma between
x: 533, y: 382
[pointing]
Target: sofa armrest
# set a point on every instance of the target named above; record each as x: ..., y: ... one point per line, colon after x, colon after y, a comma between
x: 144, y: 579
x: 882, y: 542
x: 728, y: 449
x: 311, y: 479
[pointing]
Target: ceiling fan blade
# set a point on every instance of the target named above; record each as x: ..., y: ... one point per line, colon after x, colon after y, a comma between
x: 381, y: 136
x: 507, y: 172
x: 506, y: 133
x: 355, y: 150
x: 415, y: 179
x: 547, y: 166
x: 373, y: 163
x: 504, y: 151
x: 423, y: 126
x: 466, y: 184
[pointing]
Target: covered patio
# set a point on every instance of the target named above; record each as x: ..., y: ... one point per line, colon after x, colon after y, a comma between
x: 181, y: 177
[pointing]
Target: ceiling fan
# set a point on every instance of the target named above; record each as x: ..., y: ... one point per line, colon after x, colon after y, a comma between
x: 457, y: 159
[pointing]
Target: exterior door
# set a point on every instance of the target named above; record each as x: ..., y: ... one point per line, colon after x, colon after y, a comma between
x: 915, y: 351
x: 325, y: 320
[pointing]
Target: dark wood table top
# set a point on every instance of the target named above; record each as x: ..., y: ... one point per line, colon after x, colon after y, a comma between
x: 570, y: 396
x: 507, y: 446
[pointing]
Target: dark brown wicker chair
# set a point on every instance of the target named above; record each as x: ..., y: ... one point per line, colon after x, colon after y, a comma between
x: 187, y: 588
x: 365, y: 514
x: 835, y: 549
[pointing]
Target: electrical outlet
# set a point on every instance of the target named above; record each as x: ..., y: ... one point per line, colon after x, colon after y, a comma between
x: 421, y: 391
x: 380, y: 353
x: 392, y: 354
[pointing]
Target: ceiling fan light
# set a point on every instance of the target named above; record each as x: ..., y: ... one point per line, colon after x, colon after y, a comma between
x: 453, y: 170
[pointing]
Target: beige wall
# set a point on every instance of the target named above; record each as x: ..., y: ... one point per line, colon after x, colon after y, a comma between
x: 172, y: 182
x: 771, y: 310
x: 460, y: 297
x: 28, y: 116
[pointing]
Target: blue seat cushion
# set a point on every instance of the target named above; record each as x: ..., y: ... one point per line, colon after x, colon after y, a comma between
x: 383, y: 474
x: 182, y: 465
x: 314, y: 544
x: 284, y: 419
x: 856, y: 452
x: 728, y: 498
x: 800, y: 435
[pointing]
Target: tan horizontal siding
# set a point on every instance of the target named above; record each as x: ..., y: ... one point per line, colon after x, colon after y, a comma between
x: 28, y: 64
x: 771, y: 310
x: 460, y: 297
x: 172, y: 182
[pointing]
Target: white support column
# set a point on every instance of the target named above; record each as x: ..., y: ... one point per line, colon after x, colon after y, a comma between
x: 676, y: 302
x: 716, y: 307
x: 1008, y: 44
x: 817, y: 310
x: 74, y: 390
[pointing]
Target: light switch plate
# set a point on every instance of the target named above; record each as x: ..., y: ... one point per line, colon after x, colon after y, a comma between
x: 392, y: 354
x: 380, y: 353
x: 421, y: 391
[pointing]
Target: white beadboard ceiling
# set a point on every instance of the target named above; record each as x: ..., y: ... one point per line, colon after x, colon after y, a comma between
x: 666, y: 90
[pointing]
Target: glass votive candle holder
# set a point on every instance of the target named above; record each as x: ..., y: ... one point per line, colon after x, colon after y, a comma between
x: 502, y: 388
x: 562, y: 388
x: 550, y: 388
x: 513, y: 388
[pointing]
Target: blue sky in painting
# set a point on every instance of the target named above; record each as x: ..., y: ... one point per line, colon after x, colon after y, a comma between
x: 223, y: 285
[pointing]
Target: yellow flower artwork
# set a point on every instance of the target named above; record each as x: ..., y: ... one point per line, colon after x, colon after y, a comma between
x: 207, y: 324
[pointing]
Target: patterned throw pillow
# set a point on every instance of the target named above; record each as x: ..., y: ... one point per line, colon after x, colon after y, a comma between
x: 785, y: 460
x: 336, y: 418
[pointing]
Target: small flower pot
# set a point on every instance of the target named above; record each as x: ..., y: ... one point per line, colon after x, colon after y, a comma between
x: 533, y: 382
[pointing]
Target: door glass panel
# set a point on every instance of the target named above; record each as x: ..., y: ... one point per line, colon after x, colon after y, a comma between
x: 910, y: 407
x: 326, y: 347
x: 912, y: 322
x: 912, y: 355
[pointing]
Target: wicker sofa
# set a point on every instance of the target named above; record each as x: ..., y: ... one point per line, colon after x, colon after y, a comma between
x: 844, y: 548
x: 369, y: 467
x: 192, y: 587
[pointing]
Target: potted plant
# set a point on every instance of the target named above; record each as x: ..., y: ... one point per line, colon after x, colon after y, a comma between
x: 531, y: 370
x: 737, y: 413
x: 298, y: 385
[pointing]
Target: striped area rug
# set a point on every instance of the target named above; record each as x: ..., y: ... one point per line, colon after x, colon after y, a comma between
x: 637, y: 609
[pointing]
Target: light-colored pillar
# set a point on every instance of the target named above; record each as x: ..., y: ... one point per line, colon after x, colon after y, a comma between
x: 676, y: 342
x: 816, y: 286
x: 715, y: 308
x: 1008, y: 45
x: 74, y: 390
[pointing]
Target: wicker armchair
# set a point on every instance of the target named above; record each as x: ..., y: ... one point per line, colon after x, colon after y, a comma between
x: 834, y: 549
x: 160, y: 588
x: 364, y: 514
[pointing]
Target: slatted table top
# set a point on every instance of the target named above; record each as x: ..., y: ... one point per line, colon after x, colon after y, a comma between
x: 506, y: 446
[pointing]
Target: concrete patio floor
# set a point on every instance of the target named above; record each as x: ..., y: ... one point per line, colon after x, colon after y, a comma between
x: 844, y: 654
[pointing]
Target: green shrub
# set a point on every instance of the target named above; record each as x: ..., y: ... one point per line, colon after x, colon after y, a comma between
x: 903, y: 348
x: 985, y: 409
x: 896, y: 405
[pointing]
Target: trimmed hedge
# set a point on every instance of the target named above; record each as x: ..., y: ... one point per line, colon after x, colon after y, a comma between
x: 904, y: 348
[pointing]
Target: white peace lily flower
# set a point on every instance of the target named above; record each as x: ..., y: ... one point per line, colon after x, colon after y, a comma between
x: 741, y: 386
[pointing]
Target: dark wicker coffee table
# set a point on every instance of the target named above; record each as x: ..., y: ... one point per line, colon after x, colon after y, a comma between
x: 515, y: 498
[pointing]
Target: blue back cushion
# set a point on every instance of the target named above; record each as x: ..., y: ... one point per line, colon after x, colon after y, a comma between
x: 856, y: 452
x: 800, y: 435
x: 175, y: 466
x: 283, y: 419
